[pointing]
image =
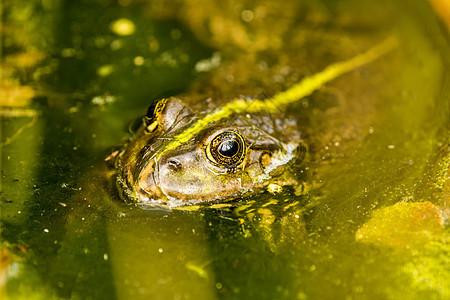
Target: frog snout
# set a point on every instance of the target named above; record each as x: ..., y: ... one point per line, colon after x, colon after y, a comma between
x: 184, y: 177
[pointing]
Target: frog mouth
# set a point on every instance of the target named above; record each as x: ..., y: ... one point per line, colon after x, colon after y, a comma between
x: 149, y: 190
x: 147, y: 184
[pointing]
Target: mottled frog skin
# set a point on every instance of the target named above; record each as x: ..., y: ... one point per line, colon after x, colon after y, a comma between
x: 242, y: 146
x: 230, y: 158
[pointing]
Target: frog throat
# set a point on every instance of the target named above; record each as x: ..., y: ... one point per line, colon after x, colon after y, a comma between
x: 279, y: 101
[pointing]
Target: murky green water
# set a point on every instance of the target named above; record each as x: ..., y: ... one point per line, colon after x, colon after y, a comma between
x: 370, y: 223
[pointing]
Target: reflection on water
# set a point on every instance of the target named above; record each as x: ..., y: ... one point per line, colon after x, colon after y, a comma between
x: 369, y: 221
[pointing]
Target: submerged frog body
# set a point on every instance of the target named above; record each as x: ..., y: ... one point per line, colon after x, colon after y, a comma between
x: 229, y: 158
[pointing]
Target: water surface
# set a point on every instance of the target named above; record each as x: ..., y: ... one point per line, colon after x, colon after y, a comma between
x: 369, y: 223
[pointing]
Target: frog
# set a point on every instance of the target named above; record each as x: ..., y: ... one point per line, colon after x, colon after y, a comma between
x: 219, y: 153
x: 230, y: 158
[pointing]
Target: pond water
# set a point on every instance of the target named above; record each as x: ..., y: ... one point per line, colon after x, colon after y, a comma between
x: 368, y: 221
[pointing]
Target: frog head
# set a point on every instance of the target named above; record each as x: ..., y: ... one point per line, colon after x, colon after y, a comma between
x: 229, y: 158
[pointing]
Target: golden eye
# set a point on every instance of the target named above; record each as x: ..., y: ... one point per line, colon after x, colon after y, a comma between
x: 227, y: 149
x: 153, y: 112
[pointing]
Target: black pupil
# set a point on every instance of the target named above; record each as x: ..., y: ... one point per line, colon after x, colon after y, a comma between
x: 229, y: 148
x: 151, y: 110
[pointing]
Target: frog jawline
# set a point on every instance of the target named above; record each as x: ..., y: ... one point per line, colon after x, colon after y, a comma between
x: 279, y: 158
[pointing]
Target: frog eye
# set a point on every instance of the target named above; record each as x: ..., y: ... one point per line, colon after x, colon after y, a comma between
x: 227, y: 149
x: 153, y: 112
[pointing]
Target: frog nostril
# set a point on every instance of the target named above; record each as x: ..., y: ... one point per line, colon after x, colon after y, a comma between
x: 174, y: 164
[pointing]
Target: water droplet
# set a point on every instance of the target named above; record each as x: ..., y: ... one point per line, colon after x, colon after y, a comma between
x: 247, y: 15
x: 139, y: 61
x: 105, y: 70
x: 123, y: 27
